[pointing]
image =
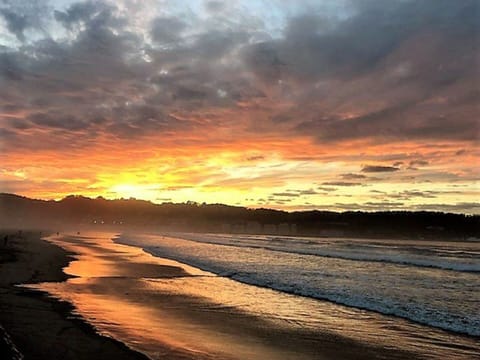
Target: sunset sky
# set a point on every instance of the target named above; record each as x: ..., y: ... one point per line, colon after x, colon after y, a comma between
x: 325, y: 104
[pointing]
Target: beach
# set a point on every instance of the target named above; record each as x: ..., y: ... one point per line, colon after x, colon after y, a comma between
x: 38, y: 326
x: 165, y: 309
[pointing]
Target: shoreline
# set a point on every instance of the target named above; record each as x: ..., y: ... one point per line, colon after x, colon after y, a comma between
x: 466, y: 335
x: 38, y: 325
x: 208, y: 267
x: 183, y: 325
x: 96, y: 269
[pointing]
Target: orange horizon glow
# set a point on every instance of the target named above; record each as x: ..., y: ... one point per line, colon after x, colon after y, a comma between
x: 229, y: 104
x: 254, y: 173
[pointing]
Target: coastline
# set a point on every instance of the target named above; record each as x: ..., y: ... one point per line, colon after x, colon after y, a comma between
x: 126, y: 294
x: 38, y: 325
x: 125, y: 290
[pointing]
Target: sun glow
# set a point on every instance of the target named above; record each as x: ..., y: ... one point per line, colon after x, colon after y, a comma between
x: 135, y: 191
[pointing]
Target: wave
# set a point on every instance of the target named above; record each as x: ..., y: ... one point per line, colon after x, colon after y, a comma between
x: 441, y: 300
x: 417, y: 314
x: 464, y: 262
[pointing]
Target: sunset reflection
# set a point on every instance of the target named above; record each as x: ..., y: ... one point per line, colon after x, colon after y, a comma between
x: 124, y: 291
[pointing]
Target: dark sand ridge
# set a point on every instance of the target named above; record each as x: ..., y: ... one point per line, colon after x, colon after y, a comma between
x: 112, y: 279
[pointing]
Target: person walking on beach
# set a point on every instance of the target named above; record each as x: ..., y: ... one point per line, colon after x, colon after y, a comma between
x: 5, y: 240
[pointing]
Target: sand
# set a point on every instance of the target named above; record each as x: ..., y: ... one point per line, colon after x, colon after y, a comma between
x: 38, y: 326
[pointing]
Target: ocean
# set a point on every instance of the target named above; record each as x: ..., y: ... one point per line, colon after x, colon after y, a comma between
x: 432, y: 283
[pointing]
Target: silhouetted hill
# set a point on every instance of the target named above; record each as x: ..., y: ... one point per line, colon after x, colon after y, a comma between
x: 80, y: 212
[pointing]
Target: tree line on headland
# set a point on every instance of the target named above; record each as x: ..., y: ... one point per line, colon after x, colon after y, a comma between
x: 131, y: 214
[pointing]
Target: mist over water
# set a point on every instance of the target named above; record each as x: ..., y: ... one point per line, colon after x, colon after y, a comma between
x: 433, y: 283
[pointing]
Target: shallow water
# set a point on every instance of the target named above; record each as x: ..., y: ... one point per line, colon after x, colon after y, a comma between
x: 193, y: 312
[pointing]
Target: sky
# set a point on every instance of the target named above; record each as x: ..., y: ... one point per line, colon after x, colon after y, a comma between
x: 295, y: 105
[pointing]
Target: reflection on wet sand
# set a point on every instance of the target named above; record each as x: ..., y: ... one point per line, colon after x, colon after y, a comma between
x: 152, y: 303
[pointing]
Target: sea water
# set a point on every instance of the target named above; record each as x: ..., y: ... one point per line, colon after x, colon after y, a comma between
x: 435, y: 283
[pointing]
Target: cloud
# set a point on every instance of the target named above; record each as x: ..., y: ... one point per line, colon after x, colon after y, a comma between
x: 413, y: 165
x: 341, y: 183
x: 15, y: 23
x: 320, y: 86
x: 214, y: 6
x: 92, y: 14
x: 409, y: 194
x: 294, y: 193
x: 255, y: 158
x: 167, y: 30
x: 351, y: 176
x: 378, y: 169
x: 383, y: 204
x: 326, y: 189
x: 381, y: 48
x: 229, y: 58
x: 59, y: 121
x: 286, y: 194
x: 307, y: 192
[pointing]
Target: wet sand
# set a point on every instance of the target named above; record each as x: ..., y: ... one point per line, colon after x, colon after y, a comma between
x: 40, y: 327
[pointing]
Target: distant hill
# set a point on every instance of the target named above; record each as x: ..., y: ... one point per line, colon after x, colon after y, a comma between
x: 129, y: 214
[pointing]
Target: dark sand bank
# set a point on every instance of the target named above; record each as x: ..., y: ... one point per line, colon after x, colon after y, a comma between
x: 37, y: 325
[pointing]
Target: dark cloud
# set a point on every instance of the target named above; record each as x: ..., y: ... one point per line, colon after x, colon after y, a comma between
x: 410, y: 194
x: 377, y: 191
x: 341, y: 183
x: 22, y: 17
x: 326, y: 189
x: 286, y: 194
x: 380, y: 48
x: 384, y: 204
x: 351, y: 176
x: 314, y: 45
x: 256, y: 158
x: 166, y: 30
x: 307, y: 192
x: 391, y: 70
x: 15, y: 23
x: 214, y: 6
x: 93, y: 14
x: 57, y: 120
x: 10, y: 68
x: 293, y: 193
x: 418, y: 163
x: 414, y: 164
x: 378, y: 169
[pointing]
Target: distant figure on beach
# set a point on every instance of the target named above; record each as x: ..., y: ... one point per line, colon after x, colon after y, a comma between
x: 58, y: 233
x: 5, y: 240
x: 78, y: 232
